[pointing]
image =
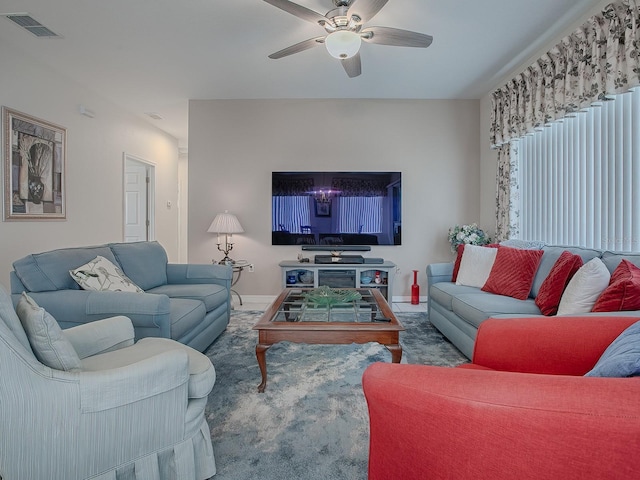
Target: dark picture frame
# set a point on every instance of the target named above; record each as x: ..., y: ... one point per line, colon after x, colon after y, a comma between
x: 34, y: 167
x: 323, y: 209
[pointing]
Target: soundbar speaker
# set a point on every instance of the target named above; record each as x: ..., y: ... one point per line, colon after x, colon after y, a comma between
x: 374, y: 260
x: 337, y: 248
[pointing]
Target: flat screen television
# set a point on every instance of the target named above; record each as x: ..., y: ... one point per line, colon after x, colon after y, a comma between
x: 336, y: 208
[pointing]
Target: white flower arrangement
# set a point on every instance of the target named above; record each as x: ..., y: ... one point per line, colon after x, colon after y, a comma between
x: 468, y: 235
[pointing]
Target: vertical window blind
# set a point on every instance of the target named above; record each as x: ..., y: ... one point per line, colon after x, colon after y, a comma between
x: 360, y: 214
x: 579, y: 178
x: 290, y: 213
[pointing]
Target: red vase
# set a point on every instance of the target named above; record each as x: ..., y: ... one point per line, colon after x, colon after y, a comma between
x: 415, y: 289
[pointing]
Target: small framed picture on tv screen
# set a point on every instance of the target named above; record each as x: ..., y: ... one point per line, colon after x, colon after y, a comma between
x: 323, y: 208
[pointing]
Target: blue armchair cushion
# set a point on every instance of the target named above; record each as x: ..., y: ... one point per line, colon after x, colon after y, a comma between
x: 145, y: 263
x: 622, y: 357
x: 48, y: 343
x: 202, y: 374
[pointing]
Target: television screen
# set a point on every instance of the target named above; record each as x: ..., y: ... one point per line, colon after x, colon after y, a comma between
x: 336, y: 208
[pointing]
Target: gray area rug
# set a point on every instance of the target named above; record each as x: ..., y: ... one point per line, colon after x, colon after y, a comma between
x: 312, y: 420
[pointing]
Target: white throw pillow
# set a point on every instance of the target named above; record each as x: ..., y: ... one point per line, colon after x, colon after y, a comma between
x: 102, y: 275
x: 585, y: 287
x: 475, y: 265
x: 48, y: 343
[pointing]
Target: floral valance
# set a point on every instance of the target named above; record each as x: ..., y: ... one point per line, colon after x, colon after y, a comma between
x: 600, y: 58
x: 291, y: 187
x: 359, y: 187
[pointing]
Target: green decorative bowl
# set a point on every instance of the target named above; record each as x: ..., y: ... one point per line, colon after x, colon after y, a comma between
x: 326, y: 297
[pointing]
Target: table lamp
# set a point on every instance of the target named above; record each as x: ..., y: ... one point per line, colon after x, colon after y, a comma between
x: 228, y: 224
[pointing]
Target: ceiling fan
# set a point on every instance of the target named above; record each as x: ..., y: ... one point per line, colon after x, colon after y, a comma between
x: 345, y: 32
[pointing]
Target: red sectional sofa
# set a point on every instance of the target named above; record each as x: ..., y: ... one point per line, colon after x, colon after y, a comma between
x: 521, y: 410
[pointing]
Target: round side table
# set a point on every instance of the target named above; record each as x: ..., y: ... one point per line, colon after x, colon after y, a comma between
x: 238, y: 266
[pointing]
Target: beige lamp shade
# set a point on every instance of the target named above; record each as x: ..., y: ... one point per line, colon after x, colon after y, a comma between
x: 225, y: 223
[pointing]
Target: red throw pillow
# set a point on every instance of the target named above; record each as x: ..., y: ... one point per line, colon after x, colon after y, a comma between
x: 553, y: 286
x: 513, y: 272
x: 623, y: 292
x: 456, y: 265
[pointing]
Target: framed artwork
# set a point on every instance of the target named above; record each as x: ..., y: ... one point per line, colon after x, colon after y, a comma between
x: 323, y: 209
x: 34, y: 167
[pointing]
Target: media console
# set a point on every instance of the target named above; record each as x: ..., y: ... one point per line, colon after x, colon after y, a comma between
x: 338, y: 275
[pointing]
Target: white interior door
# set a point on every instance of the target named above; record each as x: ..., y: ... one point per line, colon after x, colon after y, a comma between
x: 138, y: 200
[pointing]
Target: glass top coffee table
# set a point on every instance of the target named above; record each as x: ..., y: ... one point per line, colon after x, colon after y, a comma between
x: 327, y: 316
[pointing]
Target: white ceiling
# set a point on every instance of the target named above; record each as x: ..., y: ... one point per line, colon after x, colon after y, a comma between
x: 155, y: 55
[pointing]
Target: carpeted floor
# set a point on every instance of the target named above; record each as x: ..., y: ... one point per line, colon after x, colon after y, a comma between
x: 311, y: 422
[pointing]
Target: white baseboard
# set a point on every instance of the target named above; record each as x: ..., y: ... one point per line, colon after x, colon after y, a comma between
x: 407, y: 299
x: 256, y: 298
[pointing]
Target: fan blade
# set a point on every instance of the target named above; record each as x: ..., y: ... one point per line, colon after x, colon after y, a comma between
x: 298, y: 47
x: 300, y: 11
x: 352, y: 65
x: 395, y: 37
x: 365, y: 9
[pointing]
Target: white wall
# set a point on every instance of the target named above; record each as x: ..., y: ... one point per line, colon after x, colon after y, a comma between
x: 94, y: 165
x: 234, y: 145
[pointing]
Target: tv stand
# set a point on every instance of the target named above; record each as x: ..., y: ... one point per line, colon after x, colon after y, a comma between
x: 339, y: 275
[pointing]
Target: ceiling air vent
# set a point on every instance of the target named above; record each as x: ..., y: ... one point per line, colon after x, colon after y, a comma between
x: 30, y: 24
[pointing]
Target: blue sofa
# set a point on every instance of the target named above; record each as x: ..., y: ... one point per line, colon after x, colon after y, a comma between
x: 185, y: 302
x: 458, y: 310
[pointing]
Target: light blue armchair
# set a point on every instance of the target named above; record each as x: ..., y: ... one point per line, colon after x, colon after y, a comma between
x: 132, y: 411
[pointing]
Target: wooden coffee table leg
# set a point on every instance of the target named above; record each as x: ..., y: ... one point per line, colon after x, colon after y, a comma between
x: 262, y: 363
x: 396, y: 352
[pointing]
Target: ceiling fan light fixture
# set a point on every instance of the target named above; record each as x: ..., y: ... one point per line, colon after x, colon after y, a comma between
x: 343, y: 44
